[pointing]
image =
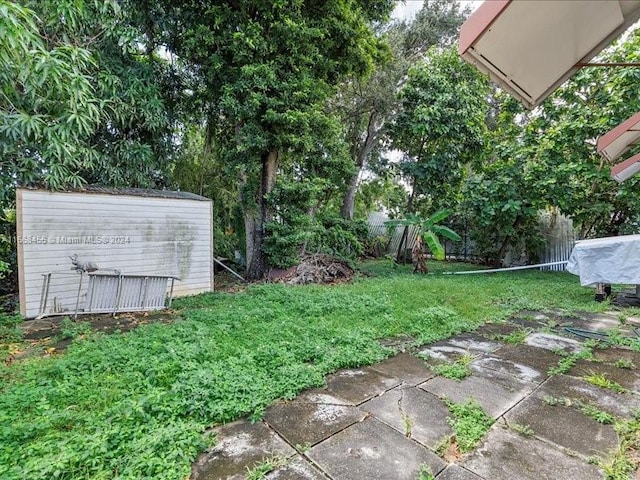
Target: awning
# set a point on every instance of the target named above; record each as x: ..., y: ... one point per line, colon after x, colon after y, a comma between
x: 614, y: 143
x: 626, y: 169
x: 531, y: 47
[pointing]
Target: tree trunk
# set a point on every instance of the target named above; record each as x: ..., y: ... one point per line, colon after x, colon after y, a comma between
x: 505, y: 244
x: 349, y: 201
x: 401, y: 254
x: 360, y: 152
x: 256, y: 219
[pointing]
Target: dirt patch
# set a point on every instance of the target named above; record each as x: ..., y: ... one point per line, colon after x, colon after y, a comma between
x: 315, y: 269
x: 51, y: 335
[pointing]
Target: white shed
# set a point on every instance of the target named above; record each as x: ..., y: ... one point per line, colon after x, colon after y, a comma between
x: 133, y: 232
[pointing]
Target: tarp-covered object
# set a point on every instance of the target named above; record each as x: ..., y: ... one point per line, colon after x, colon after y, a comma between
x: 607, y: 260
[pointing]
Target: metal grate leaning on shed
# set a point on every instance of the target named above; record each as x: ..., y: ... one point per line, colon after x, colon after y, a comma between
x: 113, y: 292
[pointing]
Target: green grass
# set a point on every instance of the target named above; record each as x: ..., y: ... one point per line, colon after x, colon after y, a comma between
x: 601, y: 380
x: 469, y: 422
x: 136, y: 405
x: 516, y: 337
x: 456, y: 370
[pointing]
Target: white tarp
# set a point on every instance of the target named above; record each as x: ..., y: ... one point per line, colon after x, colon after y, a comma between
x: 607, y: 260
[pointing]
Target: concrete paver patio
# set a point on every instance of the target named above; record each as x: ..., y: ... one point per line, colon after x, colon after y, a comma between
x: 390, y: 420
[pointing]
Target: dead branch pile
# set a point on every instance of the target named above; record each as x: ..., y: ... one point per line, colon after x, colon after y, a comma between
x: 319, y: 268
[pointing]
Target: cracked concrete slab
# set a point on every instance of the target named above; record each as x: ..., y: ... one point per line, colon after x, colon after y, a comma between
x: 599, y: 321
x: 614, y: 354
x: 414, y: 413
x: 454, y: 472
x: 539, y: 359
x: 563, y: 386
x: 515, y: 369
x: 505, y: 455
x: 296, y: 469
x: 240, y: 446
x: 629, y: 379
x: 306, y: 424
x: 564, y: 426
x: 492, y: 330
x: 406, y: 368
x: 496, y: 392
x: 359, y: 384
x: 371, y: 449
x: 553, y: 342
x: 320, y: 395
x: 453, y: 348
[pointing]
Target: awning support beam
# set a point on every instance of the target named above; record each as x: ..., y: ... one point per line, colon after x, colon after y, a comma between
x: 614, y: 64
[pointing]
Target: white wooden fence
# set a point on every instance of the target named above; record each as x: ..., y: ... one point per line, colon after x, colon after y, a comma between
x: 557, y: 230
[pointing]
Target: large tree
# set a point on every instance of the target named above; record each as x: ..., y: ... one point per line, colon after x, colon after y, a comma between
x: 560, y: 144
x: 440, y: 128
x: 80, y: 101
x: 266, y: 70
x: 370, y: 104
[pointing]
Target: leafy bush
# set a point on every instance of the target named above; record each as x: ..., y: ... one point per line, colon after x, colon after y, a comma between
x: 339, y: 237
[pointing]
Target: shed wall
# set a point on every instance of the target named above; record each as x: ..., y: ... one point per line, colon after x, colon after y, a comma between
x: 133, y: 234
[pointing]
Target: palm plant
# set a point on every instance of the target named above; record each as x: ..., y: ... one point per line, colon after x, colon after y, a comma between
x: 429, y: 233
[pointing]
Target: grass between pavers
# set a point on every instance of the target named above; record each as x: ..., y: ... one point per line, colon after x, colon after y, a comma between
x: 136, y: 405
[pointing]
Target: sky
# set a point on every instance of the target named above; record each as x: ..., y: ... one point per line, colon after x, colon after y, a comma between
x: 407, y: 9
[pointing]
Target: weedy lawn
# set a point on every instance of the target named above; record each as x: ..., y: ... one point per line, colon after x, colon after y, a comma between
x: 136, y: 405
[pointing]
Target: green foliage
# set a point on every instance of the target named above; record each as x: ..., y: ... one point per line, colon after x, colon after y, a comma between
x: 266, y: 82
x: 598, y: 415
x: 569, y: 360
x: 625, y: 363
x: 340, y: 237
x: 457, y: 370
x: 430, y: 230
x: 8, y: 252
x: 8, y: 328
x: 469, y: 422
x: 70, y: 329
x: 440, y: 127
x: 261, y: 471
x: 425, y: 473
x: 601, y: 380
x: 524, y: 430
x: 69, y: 114
x: 136, y: 405
x: 516, y: 337
x: 624, y: 461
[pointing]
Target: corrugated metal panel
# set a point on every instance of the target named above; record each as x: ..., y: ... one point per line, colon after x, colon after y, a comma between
x: 137, y: 235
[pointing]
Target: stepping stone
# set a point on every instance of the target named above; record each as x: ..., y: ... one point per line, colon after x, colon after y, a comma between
x: 518, y: 370
x: 359, y: 385
x: 240, y: 447
x: 305, y: 424
x: 453, y: 348
x: 496, y: 392
x: 538, y: 359
x: 320, y: 395
x: 371, y: 449
x: 629, y: 379
x: 564, y: 426
x: 454, y: 472
x: 563, y: 386
x: 552, y: 342
x: 492, y: 330
x: 414, y: 413
x: 533, y: 320
x: 613, y: 354
x: 505, y: 455
x: 296, y: 469
x: 406, y: 368
x: 599, y: 322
